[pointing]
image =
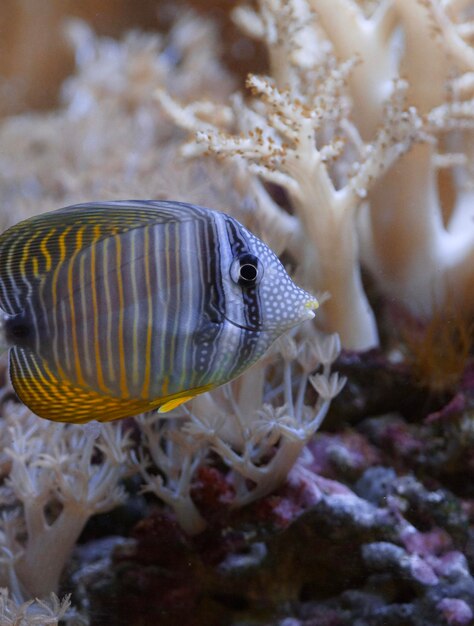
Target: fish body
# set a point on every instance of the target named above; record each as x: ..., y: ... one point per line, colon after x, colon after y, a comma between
x: 112, y: 309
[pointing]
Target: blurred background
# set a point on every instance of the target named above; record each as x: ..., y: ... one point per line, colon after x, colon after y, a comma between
x: 35, y: 56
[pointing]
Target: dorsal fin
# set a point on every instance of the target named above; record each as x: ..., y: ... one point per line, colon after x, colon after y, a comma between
x: 31, y: 249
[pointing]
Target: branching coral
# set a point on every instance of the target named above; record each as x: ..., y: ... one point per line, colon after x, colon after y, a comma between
x: 59, y: 477
x: 257, y: 438
x: 110, y: 140
x: 32, y: 613
x: 329, y: 133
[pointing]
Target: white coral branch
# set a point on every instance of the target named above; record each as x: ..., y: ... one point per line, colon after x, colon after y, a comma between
x: 177, y: 454
x: 53, y: 467
x: 33, y: 612
x: 258, y: 441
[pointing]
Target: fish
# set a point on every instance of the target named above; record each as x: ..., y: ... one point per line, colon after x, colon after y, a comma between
x: 111, y: 309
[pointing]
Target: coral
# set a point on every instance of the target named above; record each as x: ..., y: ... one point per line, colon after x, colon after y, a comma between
x: 386, y: 553
x: 33, y: 613
x: 257, y: 439
x: 57, y: 476
x: 329, y: 133
x: 373, y: 526
x: 76, y: 153
x: 60, y: 476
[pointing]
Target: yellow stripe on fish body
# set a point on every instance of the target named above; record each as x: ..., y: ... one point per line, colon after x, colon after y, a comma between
x: 116, y: 308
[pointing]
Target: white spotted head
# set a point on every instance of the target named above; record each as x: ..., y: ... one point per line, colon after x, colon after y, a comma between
x: 259, y: 294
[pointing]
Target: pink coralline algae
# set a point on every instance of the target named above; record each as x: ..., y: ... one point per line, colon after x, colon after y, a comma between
x: 373, y: 527
x: 456, y: 612
x: 378, y: 550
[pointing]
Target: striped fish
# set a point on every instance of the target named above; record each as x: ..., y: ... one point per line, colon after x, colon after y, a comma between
x: 117, y: 308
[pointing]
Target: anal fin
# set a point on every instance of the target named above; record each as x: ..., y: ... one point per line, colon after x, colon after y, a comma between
x: 56, y: 398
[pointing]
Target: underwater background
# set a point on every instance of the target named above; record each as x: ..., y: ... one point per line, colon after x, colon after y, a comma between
x: 331, y: 485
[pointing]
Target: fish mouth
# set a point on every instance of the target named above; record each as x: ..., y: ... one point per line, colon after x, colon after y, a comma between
x: 307, y: 313
x: 312, y: 304
x: 309, y: 308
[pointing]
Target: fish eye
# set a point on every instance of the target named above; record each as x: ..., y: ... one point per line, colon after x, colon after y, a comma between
x: 246, y: 270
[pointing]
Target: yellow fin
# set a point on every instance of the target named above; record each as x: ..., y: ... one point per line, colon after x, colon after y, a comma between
x: 53, y: 397
x: 173, y: 404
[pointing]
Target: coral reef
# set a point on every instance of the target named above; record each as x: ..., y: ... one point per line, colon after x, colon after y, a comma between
x: 351, y: 156
x: 54, y: 483
x: 260, y: 441
x: 384, y: 550
x: 74, y: 153
x: 32, y: 613
x: 329, y: 123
